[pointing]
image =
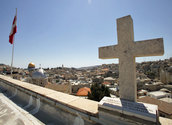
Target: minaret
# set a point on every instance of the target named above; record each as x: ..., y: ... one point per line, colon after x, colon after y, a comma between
x: 39, y: 66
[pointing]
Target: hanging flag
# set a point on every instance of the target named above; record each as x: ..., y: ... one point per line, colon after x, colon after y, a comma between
x: 13, y: 29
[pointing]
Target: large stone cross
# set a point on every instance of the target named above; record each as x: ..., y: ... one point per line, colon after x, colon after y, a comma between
x: 126, y: 50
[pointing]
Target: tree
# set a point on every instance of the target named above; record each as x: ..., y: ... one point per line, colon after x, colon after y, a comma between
x: 150, y: 74
x: 97, y: 80
x: 109, y: 74
x: 98, y: 91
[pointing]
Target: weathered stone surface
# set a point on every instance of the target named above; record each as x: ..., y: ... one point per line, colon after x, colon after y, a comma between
x: 11, y: 114
x: 126, y: 51
x: 138, y: 110
x: 83, y: 105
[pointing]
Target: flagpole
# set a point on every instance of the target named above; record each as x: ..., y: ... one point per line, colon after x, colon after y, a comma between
x: 12, y: 59
x: 13, y: 51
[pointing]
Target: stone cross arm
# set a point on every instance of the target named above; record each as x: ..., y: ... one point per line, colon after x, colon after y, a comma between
x: 108, y: 52
x: 152, y: 47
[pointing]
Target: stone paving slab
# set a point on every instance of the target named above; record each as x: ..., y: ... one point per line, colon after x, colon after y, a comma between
x: 28, y: 85
x: 62, y: 97
x: 85, y: 105
x: 42, y: 90
x: 11, y: 114
x: 165, y: 121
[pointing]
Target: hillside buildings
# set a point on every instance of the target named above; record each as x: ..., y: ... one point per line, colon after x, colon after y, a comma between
x: 152, y: 81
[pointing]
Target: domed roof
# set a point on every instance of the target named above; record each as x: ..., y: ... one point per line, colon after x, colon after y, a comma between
x: 38, y: 74
x: 83, y: 91
x: 31, y: 65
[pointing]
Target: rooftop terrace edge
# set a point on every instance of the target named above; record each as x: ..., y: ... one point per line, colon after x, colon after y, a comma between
x: 34, y: 89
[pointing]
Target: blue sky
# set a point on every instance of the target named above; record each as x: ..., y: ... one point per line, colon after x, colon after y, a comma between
x: 69, y: 32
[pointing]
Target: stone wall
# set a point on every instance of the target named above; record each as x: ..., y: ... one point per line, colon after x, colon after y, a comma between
x: 165, y: 76
x: 52, y: 107
x: 65, y: 88
x: 59, y: 108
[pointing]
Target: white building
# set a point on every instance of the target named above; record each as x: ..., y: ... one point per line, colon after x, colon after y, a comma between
x: 39, y: 77
x: 158, y: 94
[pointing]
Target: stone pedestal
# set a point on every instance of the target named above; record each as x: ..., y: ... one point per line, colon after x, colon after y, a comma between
x: 128, y: 111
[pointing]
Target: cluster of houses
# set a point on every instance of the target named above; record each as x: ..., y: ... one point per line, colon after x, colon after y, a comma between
x: 154, y: 80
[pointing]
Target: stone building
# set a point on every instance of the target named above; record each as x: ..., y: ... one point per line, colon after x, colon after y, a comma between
x: 158, y: 94
x: 36, y: 76
x: 65, y: 88
x: 153, y: 86
x: 110, y: 80
x: 166, y: 75
x: 39, y: 78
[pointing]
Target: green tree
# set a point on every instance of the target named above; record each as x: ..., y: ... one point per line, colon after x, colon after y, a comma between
x: 98, y: 91
x: 150, y: 74
x: 97, y: 80
x: 109, y: 74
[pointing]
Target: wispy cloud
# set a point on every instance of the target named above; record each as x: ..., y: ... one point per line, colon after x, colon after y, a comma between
x: 89, y: 1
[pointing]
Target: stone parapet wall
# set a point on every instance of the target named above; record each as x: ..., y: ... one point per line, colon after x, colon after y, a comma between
x: 59, y: 108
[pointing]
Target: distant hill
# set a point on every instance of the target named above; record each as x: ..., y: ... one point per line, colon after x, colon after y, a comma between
x: 89, y: 67
x: 1, y: 64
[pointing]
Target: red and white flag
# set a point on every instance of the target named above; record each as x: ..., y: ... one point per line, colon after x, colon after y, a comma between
x: 13, y: 29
